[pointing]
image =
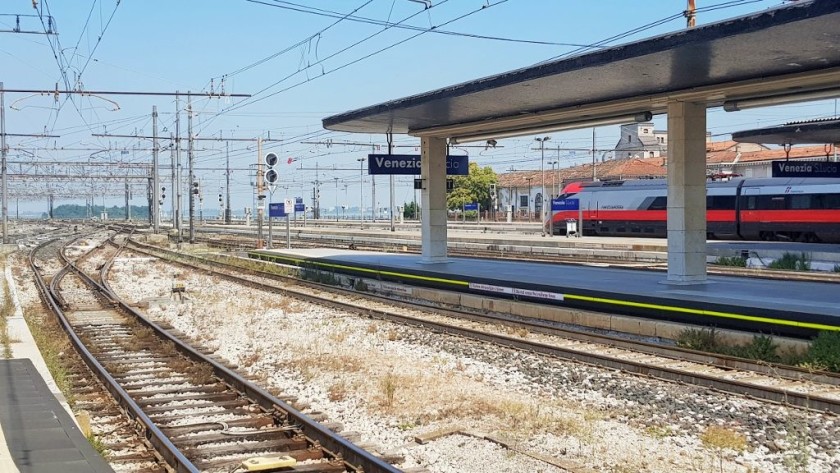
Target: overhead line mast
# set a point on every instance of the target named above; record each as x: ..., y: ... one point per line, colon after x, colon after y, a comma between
x: 691, y: 14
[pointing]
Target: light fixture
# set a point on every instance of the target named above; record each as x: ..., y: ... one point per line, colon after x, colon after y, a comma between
x: 547, y: 128
x: 753, y: 102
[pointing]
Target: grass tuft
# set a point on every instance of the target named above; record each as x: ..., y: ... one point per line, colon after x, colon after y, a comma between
x: 825, y: 351
x: 719, y: 438
x: 822, y: 355
x: 97, y: 445
x: 53, y: 344
x: 792, y: 262
x: 731, y: 261
x: 6, y: 310
x: 389, y: 383
x: 699, y: 339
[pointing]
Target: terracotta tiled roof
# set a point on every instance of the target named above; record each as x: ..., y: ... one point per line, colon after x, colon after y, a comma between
x: 713, y: 146
x: 731, y: 156
x: 609, y: 170
x: 719, y: 153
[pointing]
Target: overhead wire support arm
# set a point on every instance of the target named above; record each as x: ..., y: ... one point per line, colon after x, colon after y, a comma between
x: 106, y: 135
x: 32, y: 136
x: 17, y: 29
x: 126, y: 92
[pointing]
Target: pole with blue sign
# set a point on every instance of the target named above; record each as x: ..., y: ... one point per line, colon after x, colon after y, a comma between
x: 473, y: 206
x: 558, y: 205
x: 279, y: 210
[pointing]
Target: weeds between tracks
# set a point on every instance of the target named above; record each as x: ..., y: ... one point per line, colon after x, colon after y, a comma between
x: 823, y: 353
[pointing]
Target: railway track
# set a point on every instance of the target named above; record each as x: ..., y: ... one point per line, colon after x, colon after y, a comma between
x: 113, y: 432
x: 198, y: 414
x: 775, y: 383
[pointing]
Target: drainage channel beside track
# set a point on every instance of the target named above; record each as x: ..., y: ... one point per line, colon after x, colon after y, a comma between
x: 198, y: 414
x: 775, y: 383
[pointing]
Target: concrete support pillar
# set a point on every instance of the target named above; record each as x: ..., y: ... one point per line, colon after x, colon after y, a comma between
x: 686, y: 193
x: 433, y: 199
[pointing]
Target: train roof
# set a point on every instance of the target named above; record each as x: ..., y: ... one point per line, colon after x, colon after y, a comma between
x: 662, y: 183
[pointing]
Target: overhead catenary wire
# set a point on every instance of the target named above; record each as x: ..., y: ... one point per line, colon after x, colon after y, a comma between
x: 367, y: 56
x: 292, y: 47
x: 332, y: 14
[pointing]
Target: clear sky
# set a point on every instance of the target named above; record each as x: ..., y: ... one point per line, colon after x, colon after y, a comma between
x: 303, y: 61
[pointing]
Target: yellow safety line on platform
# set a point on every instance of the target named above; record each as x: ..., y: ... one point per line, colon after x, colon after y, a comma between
x: 601, y: 300
x: 367, y: 270
x: 712, y: 313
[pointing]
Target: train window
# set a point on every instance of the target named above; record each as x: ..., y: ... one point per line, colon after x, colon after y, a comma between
x: 720, y: 202
x: 826, y: 201
x: 751, y: 202
x: 802, y: 201
x: 771, y: 202
x: 659, y: 203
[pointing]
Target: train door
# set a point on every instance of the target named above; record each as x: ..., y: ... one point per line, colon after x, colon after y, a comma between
x: 749, y: 217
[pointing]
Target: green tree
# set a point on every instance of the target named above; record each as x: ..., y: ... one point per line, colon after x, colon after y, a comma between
x: 411, y: 210
x: 474, y: 187
x: 74, y: 211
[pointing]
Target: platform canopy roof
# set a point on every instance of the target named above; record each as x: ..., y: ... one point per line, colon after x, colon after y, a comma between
x: 776, y: 53
x: 817, y: 131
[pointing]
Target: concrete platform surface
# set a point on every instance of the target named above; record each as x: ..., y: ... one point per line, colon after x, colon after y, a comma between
x: 797, y: 308
x: 40, y: 436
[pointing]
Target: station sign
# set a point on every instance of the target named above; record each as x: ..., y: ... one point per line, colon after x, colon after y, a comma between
x: 409, y: 164
x: 473, y: 206
x: 277, y: 209
x: 299, y: 207
x: 806, y: 169
x: 558, y: 205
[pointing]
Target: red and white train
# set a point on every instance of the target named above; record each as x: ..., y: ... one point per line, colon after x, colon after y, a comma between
x: 795, y: 209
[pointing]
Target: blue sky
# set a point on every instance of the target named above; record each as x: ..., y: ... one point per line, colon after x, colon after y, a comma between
x: 164, y: 46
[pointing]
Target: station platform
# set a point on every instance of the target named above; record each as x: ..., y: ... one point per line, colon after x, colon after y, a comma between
x: 36, y: 433
x: 790, y: 308
x: 527, y: 238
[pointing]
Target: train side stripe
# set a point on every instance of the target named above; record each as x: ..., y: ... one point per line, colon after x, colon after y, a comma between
x: 598, y: 300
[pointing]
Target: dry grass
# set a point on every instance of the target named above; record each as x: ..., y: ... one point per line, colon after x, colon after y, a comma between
x: 338, y: 337
x: 389, y: 385
x: 134, y: 344
x: 313, y: 365
x: 337, y: 392
x: 201, y: 374
x: 53, y: 344
x: 7, y: 309
x: 520, y: 332
x: 144, y: 333
x: 168, y: 348
x: 251, y: 359
x: 393, y: 335
x: 719, y: 438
